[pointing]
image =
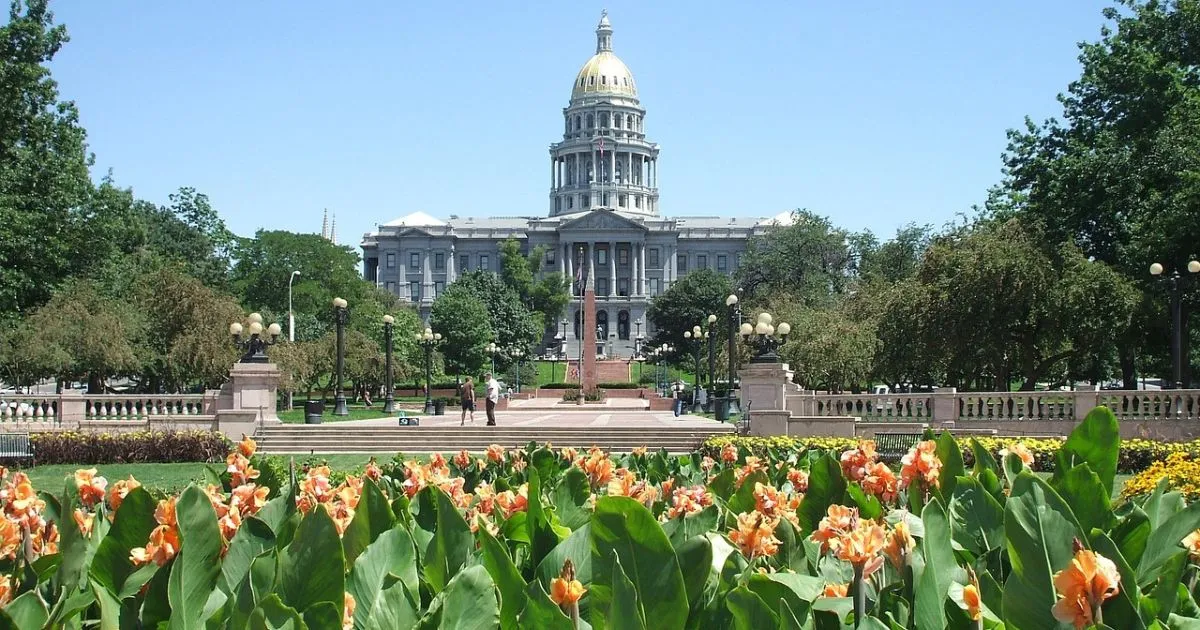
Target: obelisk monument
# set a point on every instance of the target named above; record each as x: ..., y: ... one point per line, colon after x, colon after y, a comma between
x: 587, y: 378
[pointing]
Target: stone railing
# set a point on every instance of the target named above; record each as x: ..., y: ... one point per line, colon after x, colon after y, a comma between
x: 73, y: 409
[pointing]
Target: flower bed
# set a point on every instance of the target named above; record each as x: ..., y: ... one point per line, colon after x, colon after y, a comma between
x: 539, y: 537
x: 161, y: 447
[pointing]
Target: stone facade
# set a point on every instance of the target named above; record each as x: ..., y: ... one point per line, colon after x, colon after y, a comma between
x: 603, y: 221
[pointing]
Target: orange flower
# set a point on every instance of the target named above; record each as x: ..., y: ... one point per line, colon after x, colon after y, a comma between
x: 1020, y: 451
x: 838, y: 521
x: 774, y: 504
x: 667, y: 486
x: 372, y: 471
x: 495, y: 452
x: 518, y: 460
x: 879, y: 480
x: 1191, y: 542
x: 972, y: 602
x: 563, y: 592
x: 249, y: 499
x: 84, y: 521
x: 639, y: 451
x: 799, y: 479
x: 900, y: 546
x: 462, y: 460
x: 836, y: 590
x: 1084, y: 585
x: 6, y: 591
x: 707, y: 463
x: 341, y: 513
x: 477, y: 519
x: 438, y: 462
x: 10, y: 538
x: 686, y: 501
x: 229, y: 524
x: 755, y: 535
x: 626, y: 485
x: 729, y: 454
x: 217, y: 499
x: 119, y: 490
x: 163, y: 545
x: 856, y: 460
x: 247, y: 446
x: 510, y: 502
x: 598, y: 466
x: 239, y: 469
x: 569, y: 454
x: 485, y: 495
x: 91, y: 486
x: 165, y: 513
x: 861, y: 546
x: 921, y: 464
x: 348, y: 605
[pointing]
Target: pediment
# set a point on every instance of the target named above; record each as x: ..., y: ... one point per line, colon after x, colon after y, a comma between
x: 601, y: 220
x: 415, y: 231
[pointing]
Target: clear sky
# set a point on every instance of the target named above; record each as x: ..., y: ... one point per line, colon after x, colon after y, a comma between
x: 873, y: 113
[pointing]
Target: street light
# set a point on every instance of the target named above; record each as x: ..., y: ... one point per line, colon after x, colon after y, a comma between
x: 765, y: 338
x: 339, y: 317
x: 1177, y: 284
x: 558, y: 341
x: 697, y: 335
x: 735, y: 318
x: 255, y: 347
x: 428, y: 340
x: 493, y: 350
x: 291, y: 315
x: 389, y: 398
x: 711, y: 336
x: 519, y: 355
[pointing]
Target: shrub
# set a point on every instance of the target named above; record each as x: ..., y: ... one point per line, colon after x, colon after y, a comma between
x: 160, y: 447
x: 620, y: 385
x: 594, y: 395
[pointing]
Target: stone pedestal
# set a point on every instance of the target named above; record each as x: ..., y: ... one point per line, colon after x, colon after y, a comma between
x: 248, y: 400
x: 765, y: 387
x: 588, y: 370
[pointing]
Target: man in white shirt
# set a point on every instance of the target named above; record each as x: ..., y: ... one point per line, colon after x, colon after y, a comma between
x: 493, y: 395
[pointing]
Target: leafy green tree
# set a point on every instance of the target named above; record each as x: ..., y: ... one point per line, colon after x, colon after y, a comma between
x: 898, y: 258
x: 828, y: 349
x: 190, y: 232
x: 546, y: 295
x: 462, y: 319
x: 810, y: 259
x: 688, y: 303
x: 44, y: 181
x: 511, y: 322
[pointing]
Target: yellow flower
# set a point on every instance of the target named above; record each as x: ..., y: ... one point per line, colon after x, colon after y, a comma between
x: 563, y: 592
x: 972, y: 602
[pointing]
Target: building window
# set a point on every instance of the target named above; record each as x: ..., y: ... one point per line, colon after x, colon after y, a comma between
x: 483, y: 262
x: 637, y: 201
x: 601, y: 256
x: 629, y: 122
x: 557, y: 204
x: 702, y: 261
x: 603, y: 81
x: 550, y: 256
x: 722, y: 262
x: 438, y: 287
x: 577, y: 117
x: 464, y: 262
x: 585, y: 201
x: 414, y: 291
x: 570, y: 202
x: 681, y: 263
x: 604, y: 118
x: 602, y: 286
x: 414, y: 261
x: 623, y: 287
x: 391, y: 287
x: 652, y: 258
x: 439, y: 261
x: 621, y: 200
x: 654, y: 286
x: 623, y: 255
x: 591, y: 121
x: 391, y: 260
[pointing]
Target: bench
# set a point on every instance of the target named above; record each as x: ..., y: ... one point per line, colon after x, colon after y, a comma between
x: 893, y: 446
x: 16, y: 446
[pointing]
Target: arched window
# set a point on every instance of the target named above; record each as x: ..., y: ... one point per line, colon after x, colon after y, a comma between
x: 603, y: 80
x: 591, y: 121
x: 630, y: 121
x: 617, y: 118
x: 604, y: 119
x: 577, y: 122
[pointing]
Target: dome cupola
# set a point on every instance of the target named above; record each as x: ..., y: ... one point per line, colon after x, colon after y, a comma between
x: 604, y: 74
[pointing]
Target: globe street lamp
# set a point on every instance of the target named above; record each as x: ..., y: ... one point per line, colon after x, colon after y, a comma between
x: 291, y: 315
x: 1177, y: 284
x: 493, y: 350
x: 428, y: 340
x: 735, y: 319
x: 389, y: 397
x: 711, y: 336
x: 255, y: 347
x: 339, y: 317
x: 553, y: 352
x: 519, y: 355
x: 765, y: 338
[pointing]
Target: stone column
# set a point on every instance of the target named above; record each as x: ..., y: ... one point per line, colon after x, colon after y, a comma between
x: 945, y: 405
x: 642, y: 268
x: 590, y: 283
x: 403, y: 280
x: 571, y: 266
x: 612, y: 268
x: 634, y: 286
x: 553, y: 175
x: 562, y: 262
x: 427, y: 278
x: 451, y: 274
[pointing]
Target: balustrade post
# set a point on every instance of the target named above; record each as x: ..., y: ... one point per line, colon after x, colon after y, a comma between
x: 945, y: 405
x: 71, y: 407
x: 1085, y: 400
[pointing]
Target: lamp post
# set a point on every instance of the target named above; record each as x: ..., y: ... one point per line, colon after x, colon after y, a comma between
x: 493, y: 350
x: 291, y: 323
x: 427, y: 340
x: 389, y: 397
x: 255, y: 346
x: 711, y: 337
x: 1177, y: 284
x: 765, y: 338
x: 339, y: 318
x: 735, y: 319
x: 697, y: 336
x: 558, y: 342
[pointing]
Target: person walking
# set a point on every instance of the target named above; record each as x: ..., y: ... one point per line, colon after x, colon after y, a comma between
x: 468, y: 401
x: 493, y: 395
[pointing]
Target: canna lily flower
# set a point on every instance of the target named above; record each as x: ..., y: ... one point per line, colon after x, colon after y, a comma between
x: 836, y: 590
x: 569, y: 454
x: 479, y: 519
x: 341, y: 513
x: 1020, y: 451
x: 165, y: 513
x: 774, y: 504
x: 90, y: 485
x: 510, y: 502
x: 119, y: 490
x: 972, y: 602
x: 862, y: 545
x: 599, y: 468
x: 1084, y: 585
x: 348, y: 605
x: 1191, y: 542
x: 462, y: 460
x: 626, y: 485
x: 84, y: 520
x: 729, y: 454
x: 10, y: 538
x: 566, y: 591
x: 495, y: 453
x: 879, y: 480
x: 6, y: 590
x: 239, y: 469
x: 249, y: 499
x: 667, y: 486
x: 247, y: 446
x: 900, y: 546
x: 229, y: 524
x: 921, y: 465
x: 163, y: 545
x: 855, y: 461
x: 755, y: 535
x: 373, y: 472
x: 438, y: 462
x: 518, y: 460
x: 799, y: 479
x: 639, y: 451
x: 686, y: 501
x: 707, y: 463
x: 838, y: 521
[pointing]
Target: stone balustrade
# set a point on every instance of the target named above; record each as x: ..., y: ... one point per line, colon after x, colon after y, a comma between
x: 73, y: 409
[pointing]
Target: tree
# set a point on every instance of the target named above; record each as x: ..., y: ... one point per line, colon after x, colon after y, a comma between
x: 189, y: 231
x: 829, y: 348
x: 810, y: 259
x: 462, y: 319
x: 898, y: 258
x: 546, y: 295
x: 511, y: 322
x: 44, y: 181
x: 688, y: 303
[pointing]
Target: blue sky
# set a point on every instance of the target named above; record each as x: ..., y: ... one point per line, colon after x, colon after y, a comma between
x: 875, y: 114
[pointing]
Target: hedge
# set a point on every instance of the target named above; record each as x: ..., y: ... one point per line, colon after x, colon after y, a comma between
x: 158, y: 447
x: 575, y: 385
x: 1135, y: 455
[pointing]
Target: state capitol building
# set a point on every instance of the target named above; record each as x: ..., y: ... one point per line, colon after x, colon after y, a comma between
x: 603, y: 215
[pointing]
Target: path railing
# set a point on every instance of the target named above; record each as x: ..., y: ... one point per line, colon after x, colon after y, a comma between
x: 73, y: 408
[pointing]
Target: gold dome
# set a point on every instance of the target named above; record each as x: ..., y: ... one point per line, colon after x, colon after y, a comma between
x: 604, y: 74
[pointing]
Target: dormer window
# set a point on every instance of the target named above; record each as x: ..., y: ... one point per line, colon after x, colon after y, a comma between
x: 602, y: 80
x: 591, y: 80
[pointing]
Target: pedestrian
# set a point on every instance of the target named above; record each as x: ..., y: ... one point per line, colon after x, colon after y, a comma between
x: 468, y: 401
x: 366, y: 397
x: 493, y: 395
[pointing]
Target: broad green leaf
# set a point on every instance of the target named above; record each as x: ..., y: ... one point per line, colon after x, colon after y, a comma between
x: 251, y: 540
x: 1131, y: 533
x: 950, y: 454
x: 372, y: 517
x: 940, y: 568
x: 624, y: 526
x: 542, y: 537
x: 1039, y: 531
x: 451, y: 544
x: 976, y: 517
x: 394, y: 608
x: 254, y: 589
x: 826, y: 486
x: 695, y: 559
x: 625, y: 611
x: 791, y: 546
x: 787, y: 589
x: 391, y: 554
x: 1164, y: 593
x: 869, y: 507
x: 683, y: 528
x: 110, y: 607
x: 311, y: 568
x: 541, y: 613
x: 27, y: 611
x: 156, y: 607
x: 469, y: 601
x: 505, y: 575
x: 323, y: 615
x: 743, y: 499
x: 570, y: 498
x: 196, y: 569
x: 1082, y: 489
x: 1164, y: 542
x: 273, y: 614
x: 131, y: 528
x: 749, y: 610
x: 1096, y: 442
x: 983, y: 459
x: 787, y: 618
x: 578, y: 548
x: 722, y: 486
x: 1122, y: 610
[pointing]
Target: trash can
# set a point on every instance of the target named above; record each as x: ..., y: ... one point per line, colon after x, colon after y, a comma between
x: 722, y: 409
x: 313, y: 410
x: 439, y: 407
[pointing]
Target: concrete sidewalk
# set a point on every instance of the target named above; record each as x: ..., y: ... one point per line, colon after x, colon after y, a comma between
x: 589, y: 417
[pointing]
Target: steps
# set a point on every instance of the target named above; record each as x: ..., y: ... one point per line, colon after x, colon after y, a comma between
x: 611, y: 371
x: 330, y: 438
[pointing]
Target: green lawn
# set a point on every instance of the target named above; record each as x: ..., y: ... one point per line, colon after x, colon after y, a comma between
x: 296, y: 416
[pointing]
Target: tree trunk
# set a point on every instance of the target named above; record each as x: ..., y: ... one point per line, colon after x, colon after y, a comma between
x: 95, y: 383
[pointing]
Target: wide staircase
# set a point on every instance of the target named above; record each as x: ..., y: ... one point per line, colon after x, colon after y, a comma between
x: 611, y: 371
x: 331, y: 438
